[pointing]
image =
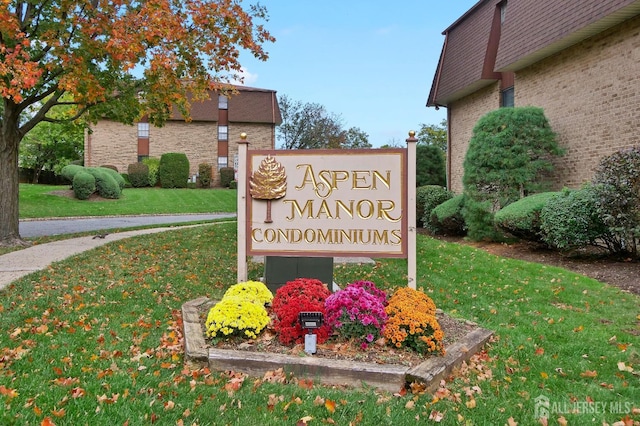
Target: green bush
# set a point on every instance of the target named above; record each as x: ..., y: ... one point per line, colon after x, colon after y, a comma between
x: 153, y: 164
x: 227, y: 175
x: 173, y: 170
x: 233, y: 184
x: 127, y: 182
x: 617, y: 185
x: 430, y: 166
x: 69, y: 171
x: 429, y: 197
x: 447, y: 218
x: 509, y: 156
x: 116, y: 177
x: 522, y: 218
x: 138, y: 174
x: 105, y: 182
x: 570, y: 220
x: 84, y: 184
x: 478, y: 216
x: 205, y: 172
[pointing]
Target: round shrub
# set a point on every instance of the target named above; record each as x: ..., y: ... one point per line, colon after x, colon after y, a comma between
x: 153, y: 164
x: 109, y: 166
x: 617, y: 185
x: 69, y: 171
x: 205, y: 172
x: 117, y: 177
x: 412, y: 323
x: 429, y: 197
x: 138, y: 175
x: 173, y: 170
x: 299, y: 295
x: 356, y: 313
x: 236, y: 316
x: 251, y: 290
x: 522, y: 218
x: 570, y: 220
x: 84, y: 184
x: 447, y: 218
x: 105, y: 183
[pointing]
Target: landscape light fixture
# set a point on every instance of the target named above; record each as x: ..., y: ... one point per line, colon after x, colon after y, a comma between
x: 310, y: 321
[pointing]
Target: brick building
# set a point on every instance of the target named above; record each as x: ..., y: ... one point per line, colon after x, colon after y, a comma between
x: 211, y: 137
x: 579, y: 60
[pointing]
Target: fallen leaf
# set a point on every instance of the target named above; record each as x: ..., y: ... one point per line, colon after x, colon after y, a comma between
x: 471, y: 403
x: 562, y: 421
x: 305, y: 383
x: 47, y: 422
x: 410, y: 405
x: 511, y: 422
x: 436, y: 416
x: 623, y: 367
x: 589, y: 373
x: 330, y: 406
x: 303, y: 421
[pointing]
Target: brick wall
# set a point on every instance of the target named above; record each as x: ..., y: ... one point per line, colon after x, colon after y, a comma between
x: 117, y: 144
x: 590, y: 94
x: 111, y: 143
x: 465, y: 113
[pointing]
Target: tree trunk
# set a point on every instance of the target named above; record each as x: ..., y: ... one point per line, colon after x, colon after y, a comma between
x: 9, y: 186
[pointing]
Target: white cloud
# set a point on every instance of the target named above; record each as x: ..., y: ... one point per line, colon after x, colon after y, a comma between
x: 245, y: 78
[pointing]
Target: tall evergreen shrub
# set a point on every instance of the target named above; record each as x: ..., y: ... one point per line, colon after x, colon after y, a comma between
x: 509, y: 156
x: 173, y: 170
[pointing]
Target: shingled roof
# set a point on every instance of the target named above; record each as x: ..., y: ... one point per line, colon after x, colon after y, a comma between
x: 478, y: 45
x: 249, y: 105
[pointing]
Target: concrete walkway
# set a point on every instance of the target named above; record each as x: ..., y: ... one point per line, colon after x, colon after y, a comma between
x: 19, y: 263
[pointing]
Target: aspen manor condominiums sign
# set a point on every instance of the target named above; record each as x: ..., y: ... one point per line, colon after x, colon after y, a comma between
x: 327, y: 203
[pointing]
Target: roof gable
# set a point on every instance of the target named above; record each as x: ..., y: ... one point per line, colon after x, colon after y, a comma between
x: 248, y: 105
x: 531, y: 31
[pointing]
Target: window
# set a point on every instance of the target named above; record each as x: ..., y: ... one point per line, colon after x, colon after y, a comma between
x: 143, y: 130
x: 503, y: 11
x: 223, y: 133
x: 507, y: 97
x: 223, y: 102
x: 222, y: 162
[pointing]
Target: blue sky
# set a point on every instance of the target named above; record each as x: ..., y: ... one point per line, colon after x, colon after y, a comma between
x: 371, y: 62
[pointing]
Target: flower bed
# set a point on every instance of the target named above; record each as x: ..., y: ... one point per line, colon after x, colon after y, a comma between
x: 360, y: 323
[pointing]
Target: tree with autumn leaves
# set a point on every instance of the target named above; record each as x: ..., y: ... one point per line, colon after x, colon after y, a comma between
x: 117, y: 59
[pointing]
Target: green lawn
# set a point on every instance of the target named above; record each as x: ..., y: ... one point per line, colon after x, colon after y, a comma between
x: 36, y: 201
x: 96, y: 340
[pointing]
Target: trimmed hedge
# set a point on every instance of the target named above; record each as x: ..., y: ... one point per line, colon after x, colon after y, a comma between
x: 173, y: 170
x: 570, y: 220
x: 227, y: 175
x: 205, y: 171
x: 138, y: 175
x: 447, y: 217
x: 522, y: 218
x: 84, y: 184
x: 106, y: 184
x: 116, y: 177
x: 68, y: 172
x: 429, y: 197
